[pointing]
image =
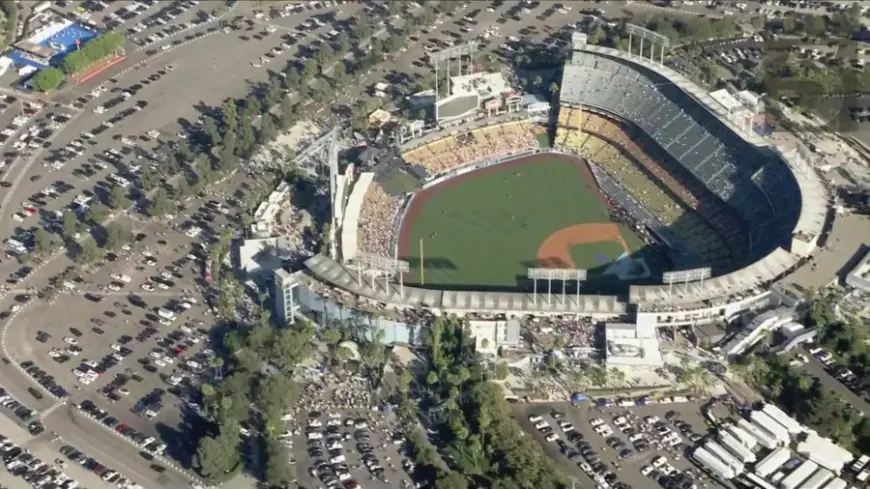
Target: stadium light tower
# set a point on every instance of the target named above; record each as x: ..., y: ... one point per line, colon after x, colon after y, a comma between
x: 561, y: 274
x: 653, y: 37
x: 377, y: 266
x: 443, y: 57
x: 685, y: 276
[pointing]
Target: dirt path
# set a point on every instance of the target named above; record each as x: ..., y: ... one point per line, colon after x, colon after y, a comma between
x: 556, y: 249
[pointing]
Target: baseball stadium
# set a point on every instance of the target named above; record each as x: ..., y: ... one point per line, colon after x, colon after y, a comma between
x: 640, y: 179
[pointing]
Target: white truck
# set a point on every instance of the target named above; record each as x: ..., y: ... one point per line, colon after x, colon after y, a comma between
x: 120, y: 277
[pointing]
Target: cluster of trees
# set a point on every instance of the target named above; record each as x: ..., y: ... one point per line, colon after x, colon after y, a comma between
x: 253, y: 385
x: 803, y: 395
x: 677, y: 30
x: 842, y: 23
x: 484, y: 443
x: 98, y: 48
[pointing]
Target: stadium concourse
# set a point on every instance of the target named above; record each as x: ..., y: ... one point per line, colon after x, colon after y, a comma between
x: 650, y: 129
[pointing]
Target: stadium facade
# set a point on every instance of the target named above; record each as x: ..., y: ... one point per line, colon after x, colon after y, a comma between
x: 782, y: 203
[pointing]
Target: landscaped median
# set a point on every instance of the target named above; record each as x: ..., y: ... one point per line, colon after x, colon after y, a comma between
x: 96, y: 55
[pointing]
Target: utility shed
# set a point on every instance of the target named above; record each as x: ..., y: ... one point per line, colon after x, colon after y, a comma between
x: 800, y: 474
x: 818, y: 479
x: 773, y: 462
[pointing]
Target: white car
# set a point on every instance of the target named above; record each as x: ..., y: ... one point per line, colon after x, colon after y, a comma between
x: 147, y: 287
x: 659, y: 461
x: 315, y: 423
x: 155, y: 354
x: 123, y: 391
x: 78, y: 373
x: 566, y: 427
x: 166, y: 276
x: 552, y: 437
x: 646, y: 470
x: 69, y: 340
x: 193, y: 364
x: 596, y: 422
x: 163, y: 286
x: 116, y: 347
x: 73, y: 352
x: 541, y: 425
x: 164, y: 322
x: 159, y: 362
x: 174, y: 380
x: 54, y: 353
x: 114, y: 287
x: 186, y: 329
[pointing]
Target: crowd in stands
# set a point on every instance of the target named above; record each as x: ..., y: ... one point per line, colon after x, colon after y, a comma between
x: 607, y: 144
x: 377, y: 220
x: 465, y: 147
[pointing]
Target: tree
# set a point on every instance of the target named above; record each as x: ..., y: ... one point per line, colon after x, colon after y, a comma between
x: 96, y: 214
x: 229, y: 115
x: 280, y: 473
x: 247, y: 140
x: 71, y: 223
x: 117, y: 235
x: 147, y: 178
x: 268, y: 131
x: 43, y: 241
x: 48, y: 79
x: 118, y: 198
x: 290, y: 347
x: 159, y: 205
x: 553, y: 88
x: 275, y: 395
x: 217, y: 456
x: 88, y: 252
x: 501, y: 371
x: 450, y: 479
x: 211, y: 131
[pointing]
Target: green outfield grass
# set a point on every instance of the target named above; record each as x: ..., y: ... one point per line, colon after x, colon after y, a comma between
x: 485, y: 230
x: 596, y: 257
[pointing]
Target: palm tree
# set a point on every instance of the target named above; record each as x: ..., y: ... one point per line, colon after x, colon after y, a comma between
x: 217, y: 363
x: 554, y: 88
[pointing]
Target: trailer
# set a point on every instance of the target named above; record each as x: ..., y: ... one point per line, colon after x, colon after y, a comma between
x: 764, y: 438
x: 818, y: 479
x: 783, y: 419
x: 825, y: 453
x: 736, y: 448
x: 713, y: 464
x: 723, y: 455
x: 759, y: 482
x: 766, y: 423
x: 747, y: 439
x: 836, y: 483
x: 800, y: 474
x: 773, y: 462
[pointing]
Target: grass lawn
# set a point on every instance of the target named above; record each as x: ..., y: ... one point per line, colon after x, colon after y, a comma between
x: 485, y: 230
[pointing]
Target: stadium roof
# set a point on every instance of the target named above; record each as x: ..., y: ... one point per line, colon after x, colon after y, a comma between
x: 755, y: 275
x: 328, y: 270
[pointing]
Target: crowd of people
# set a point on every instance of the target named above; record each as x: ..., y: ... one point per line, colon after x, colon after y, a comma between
x: 465, y: 147
x: 572, y: 332
x: 377, y: 220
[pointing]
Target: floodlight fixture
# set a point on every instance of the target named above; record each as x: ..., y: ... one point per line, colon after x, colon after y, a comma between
x: 561, y: 274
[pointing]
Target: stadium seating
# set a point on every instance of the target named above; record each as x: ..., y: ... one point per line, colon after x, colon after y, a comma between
x: 488, y: 142
x: 751, y: 183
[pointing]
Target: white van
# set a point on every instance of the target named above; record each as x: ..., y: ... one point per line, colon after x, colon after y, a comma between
x: 315, y: 435
x: 166, y: 314
x: 339, y: 459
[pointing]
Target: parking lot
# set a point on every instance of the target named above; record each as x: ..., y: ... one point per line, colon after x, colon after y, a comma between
x: 619, y: 445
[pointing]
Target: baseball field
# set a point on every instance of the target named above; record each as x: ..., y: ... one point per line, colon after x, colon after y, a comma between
x: 484, y: 229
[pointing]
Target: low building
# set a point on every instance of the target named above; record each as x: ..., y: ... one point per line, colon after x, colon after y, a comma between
x: 491, y: 336
x: 627, y: 346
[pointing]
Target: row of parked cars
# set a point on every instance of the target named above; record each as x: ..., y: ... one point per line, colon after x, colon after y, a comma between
x: 840, y: 372
x: 110, y: 476
x: 44, y: 379
x: 37, y: 473
x: 152, y: 446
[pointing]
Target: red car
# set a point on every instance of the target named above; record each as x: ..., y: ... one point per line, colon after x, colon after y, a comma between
x: 121, y: 428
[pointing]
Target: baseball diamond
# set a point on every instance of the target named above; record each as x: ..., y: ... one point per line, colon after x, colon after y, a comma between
x: 485, y: 228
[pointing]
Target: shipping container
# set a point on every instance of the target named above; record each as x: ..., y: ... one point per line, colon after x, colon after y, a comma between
x: 783, y: 419
x: 818, y: 479
x: 799, y: 475
x: 736, y: 448
x: 764, y: 438
x: 766, y: 423
x: 712, y: 463
x: 836, y: 483
x: 723, y: 455
x: 773, y: 462
x: 747, y: 439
